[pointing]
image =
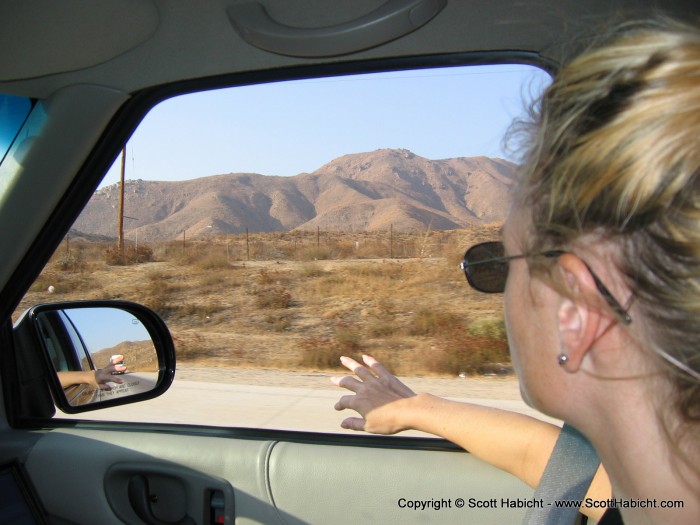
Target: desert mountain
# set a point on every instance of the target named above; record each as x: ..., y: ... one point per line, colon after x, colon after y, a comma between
x: 365, y: 191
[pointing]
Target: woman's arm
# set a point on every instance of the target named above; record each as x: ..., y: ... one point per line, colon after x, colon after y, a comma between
x: 514, y: 442
x: 99, y: 378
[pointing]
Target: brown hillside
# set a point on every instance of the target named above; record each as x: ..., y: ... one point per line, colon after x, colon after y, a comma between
x: 365, y: 191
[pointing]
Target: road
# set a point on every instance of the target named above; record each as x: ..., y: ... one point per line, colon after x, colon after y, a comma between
x: 227, y: 398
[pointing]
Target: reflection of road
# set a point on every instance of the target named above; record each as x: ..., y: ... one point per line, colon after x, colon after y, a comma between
x: 133, y: 383
x: 258, y: 406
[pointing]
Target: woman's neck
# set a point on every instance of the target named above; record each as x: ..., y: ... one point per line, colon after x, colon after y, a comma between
x: 646, y: 468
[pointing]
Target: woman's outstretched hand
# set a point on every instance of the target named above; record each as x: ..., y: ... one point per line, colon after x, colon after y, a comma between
x: 378, y: 397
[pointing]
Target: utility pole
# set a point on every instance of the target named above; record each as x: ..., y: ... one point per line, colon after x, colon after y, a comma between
x: 120, y: 237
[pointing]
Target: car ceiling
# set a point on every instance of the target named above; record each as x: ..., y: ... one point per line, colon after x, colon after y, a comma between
x: 121, y: 43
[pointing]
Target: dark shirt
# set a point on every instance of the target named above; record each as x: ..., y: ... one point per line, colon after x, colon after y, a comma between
x: 611, y: 517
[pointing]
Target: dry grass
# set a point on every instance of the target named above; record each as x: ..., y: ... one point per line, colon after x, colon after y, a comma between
x: 291, y: 310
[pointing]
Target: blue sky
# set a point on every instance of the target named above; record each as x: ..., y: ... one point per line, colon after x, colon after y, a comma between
x: 293, y: 127
x: 105, y: 327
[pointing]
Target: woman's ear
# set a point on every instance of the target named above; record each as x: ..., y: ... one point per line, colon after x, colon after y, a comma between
x: 579, y: 316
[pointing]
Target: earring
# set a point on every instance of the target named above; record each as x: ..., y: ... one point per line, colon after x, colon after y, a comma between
x: 563, y: 359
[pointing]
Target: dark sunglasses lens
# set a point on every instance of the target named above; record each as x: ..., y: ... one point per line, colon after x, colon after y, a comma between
x: 485, y: 269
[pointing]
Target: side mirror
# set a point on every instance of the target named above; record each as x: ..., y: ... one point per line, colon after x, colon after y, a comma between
x: 99, y: 353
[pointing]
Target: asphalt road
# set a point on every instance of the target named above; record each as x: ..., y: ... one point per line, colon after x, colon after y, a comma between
x: 306, y: 406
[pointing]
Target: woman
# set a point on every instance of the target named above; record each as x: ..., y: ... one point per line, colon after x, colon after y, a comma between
x: 602, y: 255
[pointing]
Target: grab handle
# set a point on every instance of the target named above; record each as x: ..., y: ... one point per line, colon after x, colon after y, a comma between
x: 388, y: 22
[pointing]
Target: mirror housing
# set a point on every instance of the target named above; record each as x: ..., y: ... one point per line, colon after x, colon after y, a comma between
x: 98, y: 354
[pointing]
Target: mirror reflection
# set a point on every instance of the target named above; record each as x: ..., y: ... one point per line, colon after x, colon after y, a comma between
x: 99, y: 353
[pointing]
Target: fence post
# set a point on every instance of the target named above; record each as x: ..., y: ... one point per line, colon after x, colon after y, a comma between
x: 391, y: 240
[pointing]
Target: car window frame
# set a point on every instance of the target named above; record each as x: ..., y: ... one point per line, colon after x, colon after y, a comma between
x: 109, y: 146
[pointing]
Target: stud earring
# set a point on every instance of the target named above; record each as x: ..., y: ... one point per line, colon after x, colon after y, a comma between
x: 563, y: 359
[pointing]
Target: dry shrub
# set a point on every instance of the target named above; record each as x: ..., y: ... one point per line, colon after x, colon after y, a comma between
x: 319, y: 353
x: 83, y: 283
x: 158, y: 293
x: 265, y: 277
x: 212, y: 261
x: 277, y: 277
x: 454, y: 255
x: 322, y: 352
x: 490, y: 327
x: 267, y: 297
x: 139, y: 254
x: 311, y: 270
x: 223, y: 278
x: 202, y: 311
x: 72, y: 263
x: 321, y: 253
x: 432, y: 322
x: 263, y: 250
x: 381, y: 326
x: 458, y: 351
x: 387, y: 271
x: 383, y: 321
x: 348, y: 338
x: 278, y: 323
x: 333, y: 285
x: 132, y: 255
x: 359, y: 280
x: 190, y: 346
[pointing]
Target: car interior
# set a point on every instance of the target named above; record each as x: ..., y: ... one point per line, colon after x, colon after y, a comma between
x: 78, y: 82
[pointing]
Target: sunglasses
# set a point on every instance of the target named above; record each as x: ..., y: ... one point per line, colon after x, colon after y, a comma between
x: 485, y: 266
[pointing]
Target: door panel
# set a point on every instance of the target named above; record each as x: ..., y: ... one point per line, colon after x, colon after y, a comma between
x: 272, y: 482
x: 349, y: 485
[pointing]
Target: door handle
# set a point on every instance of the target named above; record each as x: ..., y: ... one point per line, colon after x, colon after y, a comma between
x: 140, y: 498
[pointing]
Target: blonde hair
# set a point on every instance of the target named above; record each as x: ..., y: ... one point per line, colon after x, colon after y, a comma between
x: 615, y: 150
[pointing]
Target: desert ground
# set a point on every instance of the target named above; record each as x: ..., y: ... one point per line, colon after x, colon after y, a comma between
x: 289, y: 302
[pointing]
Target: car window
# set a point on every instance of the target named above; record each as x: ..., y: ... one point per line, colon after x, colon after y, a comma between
x: 276, y: 227
x: 21, y: 122
x: 77, y: 343
x: 13, y: 113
